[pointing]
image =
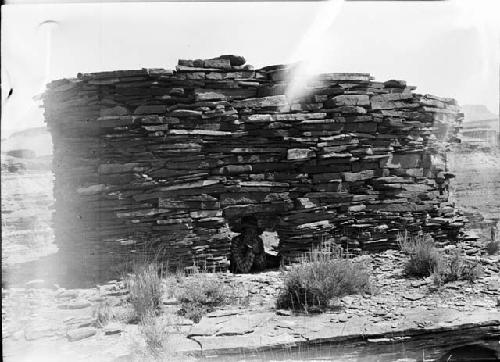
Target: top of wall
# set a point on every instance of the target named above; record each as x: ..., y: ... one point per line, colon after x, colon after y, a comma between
x: 227, y: 78
x: 231, y: 68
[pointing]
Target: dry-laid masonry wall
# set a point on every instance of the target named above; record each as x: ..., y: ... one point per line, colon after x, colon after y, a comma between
x: 176, y: 158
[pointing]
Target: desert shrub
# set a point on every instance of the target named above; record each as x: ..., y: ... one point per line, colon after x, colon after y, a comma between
x: 103, y: 313
x: 125, y: 313
x: 454, y: 268
x: 471, y: 271
x: 423, y: 256
x: 145, y: 288
x: 154, y: 331
x: 320, y: 277
x: 493, y: 247
x: 201, y: 294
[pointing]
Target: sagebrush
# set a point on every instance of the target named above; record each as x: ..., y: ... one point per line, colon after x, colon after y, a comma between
x: 492, y: 247
x: 456, y: 267
x: 201, y: 294
x: 318, y: 278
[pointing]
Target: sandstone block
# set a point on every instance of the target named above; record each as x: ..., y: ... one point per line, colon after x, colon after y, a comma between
x: 217, y: 63
x: 234, y: 60
x: 348, y: 100
x: 80, y: 333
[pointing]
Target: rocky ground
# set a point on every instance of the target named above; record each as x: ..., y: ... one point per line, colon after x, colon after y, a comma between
x: 476, y: 187
x: 42, y: 320
x: 27, y: 201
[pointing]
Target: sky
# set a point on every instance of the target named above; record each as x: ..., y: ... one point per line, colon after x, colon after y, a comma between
x: 447, y: 48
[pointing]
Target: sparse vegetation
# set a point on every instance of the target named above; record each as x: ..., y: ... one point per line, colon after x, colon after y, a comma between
x: 124, y: 313
x: 456, y: 268
x: 423, y: 256
x: 320, y: 277
x: 425, y: 260
x: 155, y: 332
x: 145, y: 288
x: 492, y: 247
x: 103, y: 313
x: 201, y: 294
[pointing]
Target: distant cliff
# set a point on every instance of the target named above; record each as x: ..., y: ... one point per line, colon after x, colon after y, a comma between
x: 37, y: 139
x: 479, y: 116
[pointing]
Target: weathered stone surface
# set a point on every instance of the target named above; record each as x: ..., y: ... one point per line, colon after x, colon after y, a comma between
x: 202, y: 95
x: 218, y: 63
x: 358, y: 176
x: 74, y: 305
x: 206, y: 327
x: 348, y: 100
x: 411, y: 160
x: 300, y: 154
x: 183, y: 346
x: 272, y: 101
x: 413, y: 296
x: 350, y: 110
x: 112, y: 328
x: 117, y: 168
x: 234, y: 60
x: 245, y: 344
x: 242, y: 324
x: 391, y: 97
x: 114, y: 111
x: 148, y: 109
x: 80, y: 333
x: 186, y: 113
x: 32, y: 334
x: 395, y: 83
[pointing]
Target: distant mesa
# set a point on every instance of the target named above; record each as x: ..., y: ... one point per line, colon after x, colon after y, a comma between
x: 479, y: 113
x: 480, y: 126
x: 21, y: 153
x: 36, y: 139
x: 28, y: 149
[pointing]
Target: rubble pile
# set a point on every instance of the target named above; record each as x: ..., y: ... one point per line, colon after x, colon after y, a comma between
x: 177, y: 158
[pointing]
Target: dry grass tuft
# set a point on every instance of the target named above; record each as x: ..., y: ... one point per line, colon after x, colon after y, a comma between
x: 155, y: 332
x: 145, y: 288
x: 423, y: 256
x: 103, y: 313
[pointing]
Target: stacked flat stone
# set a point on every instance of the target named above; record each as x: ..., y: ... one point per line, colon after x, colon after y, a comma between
x: 176, y: 158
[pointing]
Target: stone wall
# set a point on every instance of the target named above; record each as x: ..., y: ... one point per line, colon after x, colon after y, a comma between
x: 174, y: 159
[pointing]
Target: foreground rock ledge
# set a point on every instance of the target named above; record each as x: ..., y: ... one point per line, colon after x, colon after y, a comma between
x: 420, y: 332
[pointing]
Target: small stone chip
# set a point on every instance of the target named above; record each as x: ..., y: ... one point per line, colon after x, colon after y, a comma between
x: 413, y: 297
x: 283, y: 312
x: 112, y: 328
